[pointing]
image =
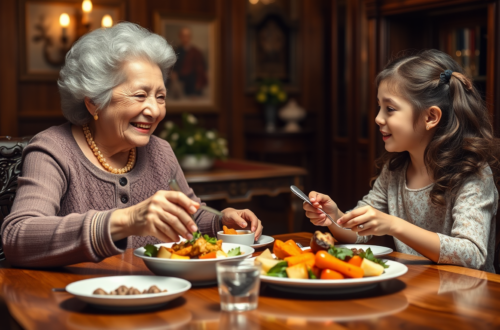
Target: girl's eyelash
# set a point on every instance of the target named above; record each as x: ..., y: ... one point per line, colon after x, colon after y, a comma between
x: 390, y: 109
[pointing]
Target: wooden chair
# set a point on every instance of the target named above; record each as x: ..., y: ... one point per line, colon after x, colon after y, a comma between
x: 11, y: 150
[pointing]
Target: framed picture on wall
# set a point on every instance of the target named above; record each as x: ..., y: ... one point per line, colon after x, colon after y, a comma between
x: 193, y: 83
x: 48, y: 29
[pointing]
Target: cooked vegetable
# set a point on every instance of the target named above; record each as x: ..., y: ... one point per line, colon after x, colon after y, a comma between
x: 308, y: 258
x: 340, y: 253
x: 196, y: 235
x: 326, y: 261
x: 356, y: 261
x: 294, y: 246
x: 229, y: 231
x: 328, y: 274
x: 371, y: 268
x: 298, y: 272
x: 221, y: 254
x: 234, y: 252
x: 211, y: 240
x: 266, y: 254
x: 266, y: 264
x: 164, y: 253
x: 176, y: 256
x: 151, y: 250
x: 283, y: 250
x: 321, y: 241
x: 184, y: 251
x: 369, y: 255
x: 279, y: 270
x: 211, y: 255
x: 312, y: 274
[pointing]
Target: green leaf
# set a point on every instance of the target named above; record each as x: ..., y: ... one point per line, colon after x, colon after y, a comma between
x: 234, y: 252
x: 311, y: 274
x: 211, y: 240
x: 279, y: 270
x: 369, y: 255
x: 196, y: 235
x: 340, y: 253
x: 151, y: 250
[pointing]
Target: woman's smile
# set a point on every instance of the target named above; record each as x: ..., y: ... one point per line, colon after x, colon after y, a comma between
x: 142, y: 127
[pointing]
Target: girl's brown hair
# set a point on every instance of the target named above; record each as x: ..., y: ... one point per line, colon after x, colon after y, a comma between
x: 463, y: 142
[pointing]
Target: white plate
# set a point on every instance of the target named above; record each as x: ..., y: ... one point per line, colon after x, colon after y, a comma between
x: 83, y: 290
x: 263, y: 241
x: 377, y: 250
x: 395, y: 270
x: 197, y: 271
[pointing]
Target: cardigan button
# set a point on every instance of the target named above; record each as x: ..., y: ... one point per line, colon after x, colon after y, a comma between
x: 123, y: 181
x: 124, y: 199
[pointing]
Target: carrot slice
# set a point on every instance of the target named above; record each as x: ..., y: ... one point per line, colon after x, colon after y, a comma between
x: 326, y: 261
x: 307, y: 258
x: 294, y: 245
x: 356, y: 261
x: 211, y: 255
x: 229, y: 231
x: 283, y: 250
x: 328, y: 274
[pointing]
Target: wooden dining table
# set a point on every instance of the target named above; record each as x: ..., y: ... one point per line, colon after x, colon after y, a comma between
x: 428, y: 296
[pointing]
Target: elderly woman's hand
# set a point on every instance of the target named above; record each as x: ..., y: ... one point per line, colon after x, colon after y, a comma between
x: 240, y: 219
x: 165, y: 215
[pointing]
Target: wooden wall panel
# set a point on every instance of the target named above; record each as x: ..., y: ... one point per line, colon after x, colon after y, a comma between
x: 8, y: 68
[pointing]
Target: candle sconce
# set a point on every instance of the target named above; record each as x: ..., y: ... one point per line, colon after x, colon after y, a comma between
x: 49, y: 29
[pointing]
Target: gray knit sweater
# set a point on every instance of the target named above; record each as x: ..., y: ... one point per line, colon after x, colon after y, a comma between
x: 63, y: 204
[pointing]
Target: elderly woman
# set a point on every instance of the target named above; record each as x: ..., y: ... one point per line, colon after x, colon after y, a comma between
x: 99, y: 184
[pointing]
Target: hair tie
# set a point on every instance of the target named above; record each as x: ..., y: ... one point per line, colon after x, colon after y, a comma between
x: 445, y: 76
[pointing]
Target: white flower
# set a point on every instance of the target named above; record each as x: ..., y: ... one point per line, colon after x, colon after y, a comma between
x: 190, y: 140
x: 222, y: 141
x: 210, y: 135
x: 175, y: 136
x: 163, y: 134
x: 169, y: 125
x: 192, y: 119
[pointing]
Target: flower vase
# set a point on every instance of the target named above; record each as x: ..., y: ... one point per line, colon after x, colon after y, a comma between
x: 270, y: 113
x: 196, y: 162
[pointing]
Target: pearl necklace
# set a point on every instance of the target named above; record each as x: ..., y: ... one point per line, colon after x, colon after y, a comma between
x: 102, y: 160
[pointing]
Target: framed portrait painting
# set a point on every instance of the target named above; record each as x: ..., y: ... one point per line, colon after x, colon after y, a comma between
x: 193, y: 83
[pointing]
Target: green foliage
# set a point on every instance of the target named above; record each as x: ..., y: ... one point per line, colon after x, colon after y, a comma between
x: 189, y: 139
x: 279, y: 270
x: 270, y: 92
x: 369, y: 255
x: 151, y: 250
x: 340, y: 253
x: 234, y: 252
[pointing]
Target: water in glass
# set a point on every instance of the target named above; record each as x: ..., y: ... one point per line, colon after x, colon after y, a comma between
x: 238, y: 285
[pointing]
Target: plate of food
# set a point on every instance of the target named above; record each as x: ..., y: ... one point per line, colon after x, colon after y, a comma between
x: 324, y: 268
x: 193, y: 260
x: 124, y: 292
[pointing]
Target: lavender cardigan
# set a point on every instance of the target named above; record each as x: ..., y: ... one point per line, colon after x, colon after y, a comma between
x: 63, y: 204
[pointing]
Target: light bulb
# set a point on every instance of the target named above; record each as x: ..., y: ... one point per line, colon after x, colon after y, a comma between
x: 87, y: 6
x: 107, y: 21
x: 64, y: 20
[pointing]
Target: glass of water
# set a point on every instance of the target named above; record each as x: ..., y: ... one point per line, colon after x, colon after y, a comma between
x: 239, y: 283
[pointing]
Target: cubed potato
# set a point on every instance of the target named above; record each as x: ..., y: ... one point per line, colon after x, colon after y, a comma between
x: 164, y: 253
x: 221, y: 254
x: 371, y: 268
x: 266, y: 255
x: 266, y: 264
x: 176, y: 256
x: 298, y: 272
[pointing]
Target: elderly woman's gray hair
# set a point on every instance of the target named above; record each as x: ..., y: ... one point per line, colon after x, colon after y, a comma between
x: 93, y: 65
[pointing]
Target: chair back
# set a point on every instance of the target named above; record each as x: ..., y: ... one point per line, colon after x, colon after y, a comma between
x: 11, y: 150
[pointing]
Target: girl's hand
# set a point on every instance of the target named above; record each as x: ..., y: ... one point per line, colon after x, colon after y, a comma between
x: 367, y: 220
x: 165, y: 215
x: 240, y: 219
x: 323, y: 202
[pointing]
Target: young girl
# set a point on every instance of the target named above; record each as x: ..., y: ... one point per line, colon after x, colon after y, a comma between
x: 435, y: 192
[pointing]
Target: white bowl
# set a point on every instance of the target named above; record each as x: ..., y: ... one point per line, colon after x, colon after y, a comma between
x: 245, y: 237
x: 197, y: 271
x: 84, y: 289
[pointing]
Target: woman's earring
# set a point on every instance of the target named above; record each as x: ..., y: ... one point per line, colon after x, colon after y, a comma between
x: 95, y: 116
x: 427, y: 127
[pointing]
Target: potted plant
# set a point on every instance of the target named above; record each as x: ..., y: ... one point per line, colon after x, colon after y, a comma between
x: 196, y: 148
x: 270, y: 93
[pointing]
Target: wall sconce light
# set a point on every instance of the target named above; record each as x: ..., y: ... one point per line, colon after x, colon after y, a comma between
x: 107, y: 21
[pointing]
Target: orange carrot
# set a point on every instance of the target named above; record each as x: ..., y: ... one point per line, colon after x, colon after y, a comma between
x: 307, y: 250
x: 211, y: 255
x: 327, y: 261
x: 294, y: 245
x: 229, y: 231
x: 298, y: 259
x: 328, y: 274
x: 355, y: 261
x: 282, y: 250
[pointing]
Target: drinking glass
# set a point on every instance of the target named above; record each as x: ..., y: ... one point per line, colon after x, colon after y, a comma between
x: 239, y: 283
